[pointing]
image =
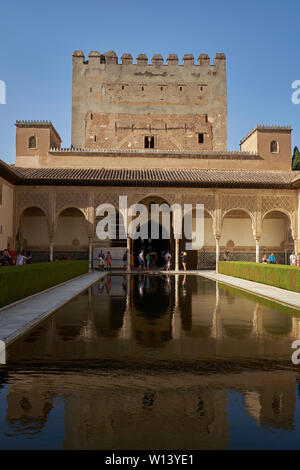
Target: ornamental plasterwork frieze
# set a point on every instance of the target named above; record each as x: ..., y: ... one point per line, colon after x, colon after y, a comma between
x: 76, y: 199
x: 26, y: 199
x: 209, y: 201
x: 280, y: 202
x: 238, y: 201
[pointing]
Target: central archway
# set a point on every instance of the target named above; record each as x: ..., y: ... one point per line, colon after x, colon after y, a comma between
x: 156, y: 248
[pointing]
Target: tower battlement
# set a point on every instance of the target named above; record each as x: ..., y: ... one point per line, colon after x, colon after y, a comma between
x: 117, y: 103
x: 110, y: 57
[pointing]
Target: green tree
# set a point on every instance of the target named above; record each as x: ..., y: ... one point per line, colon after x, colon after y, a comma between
x: 296, y: 159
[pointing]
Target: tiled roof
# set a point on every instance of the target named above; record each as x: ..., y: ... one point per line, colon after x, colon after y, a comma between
x: 157, y: 177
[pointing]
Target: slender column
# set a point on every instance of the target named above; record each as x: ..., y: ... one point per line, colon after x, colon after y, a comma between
x: 51, y: 249
x: 2, y: 352
x: 257, y: 250
x: 128, y: 254
x: 90, y: 253
x: 176, y: 254
x: 217, y: 253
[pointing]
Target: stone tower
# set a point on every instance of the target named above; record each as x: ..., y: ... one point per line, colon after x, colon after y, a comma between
x: 149, y: 106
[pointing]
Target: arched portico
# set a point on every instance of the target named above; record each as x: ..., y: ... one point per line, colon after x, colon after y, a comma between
x: 163, y: 228
x: 33, y: 233
x: 277, y: 234
x: 71, y: 234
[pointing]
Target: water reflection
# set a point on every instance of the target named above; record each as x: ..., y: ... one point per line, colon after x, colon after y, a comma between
x: 150, y: 362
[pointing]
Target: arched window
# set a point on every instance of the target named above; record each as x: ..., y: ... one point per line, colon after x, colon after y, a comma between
x: 274, y: 147
x: 32, y: 142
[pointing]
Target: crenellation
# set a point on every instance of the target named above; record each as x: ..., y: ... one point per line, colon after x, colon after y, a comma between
x: 126, y: 59
x: 142, y: 59
x: 110, y: 57
x: 188, y: 60
x: 172, y: 59
x: 157, y: 60
x: 203, y: 59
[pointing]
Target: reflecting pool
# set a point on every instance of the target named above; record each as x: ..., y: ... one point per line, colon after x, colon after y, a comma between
x: 155, y: 362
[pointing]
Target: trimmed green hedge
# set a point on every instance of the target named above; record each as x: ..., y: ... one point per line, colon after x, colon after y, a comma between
x: 18, y: 282
x: 278, y: 275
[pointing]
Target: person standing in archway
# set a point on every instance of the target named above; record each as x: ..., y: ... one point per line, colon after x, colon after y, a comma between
x: 293, y: 259
x: 141, y: 260
x: 108, y: 261
x: 184, y: 259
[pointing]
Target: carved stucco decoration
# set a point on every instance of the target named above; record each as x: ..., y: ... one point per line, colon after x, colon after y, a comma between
x: 237, y: 201
x: 26, y: 199
x: 76, y: 199
x: 283, y: 203
x: 279, y: 202
x: 209, y: 201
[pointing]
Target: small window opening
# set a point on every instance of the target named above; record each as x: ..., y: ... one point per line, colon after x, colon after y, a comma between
x: 91, y: 89
x: 200, y: 138
x: 274, y: 146
x: 142, y: 88
x: 32, y: 142
x: 95, y: 138
x: 161, y: 88
x: 149, y: 142
x: 201, y: 88
x: 123, y: 87
x: 91, y: 116
x: 180, y: 88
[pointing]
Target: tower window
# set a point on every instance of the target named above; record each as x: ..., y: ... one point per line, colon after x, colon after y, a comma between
x: 201, y: 138
x: 180, y: 88
x: 149, y: 142
x: 91, y: 115
x: 95, y: 138
x: 274, y: 147
x: 32, y: 142
x: 142, y: 88
x: 161, y: 88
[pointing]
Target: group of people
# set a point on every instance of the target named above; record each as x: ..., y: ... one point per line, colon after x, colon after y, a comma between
x: 9, y: 257
x: 295, y: 259
x: 271, y: 259
x: 144, y: 260
x: 104, y: 258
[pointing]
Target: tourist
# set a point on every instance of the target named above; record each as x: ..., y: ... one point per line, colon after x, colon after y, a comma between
x: 141, y: 260
x: 226, y: 256
x: 272, y: 259
x: 21, y: 259
x: 12, y: 254
x: 168, y: 261
x: 29, y: 257
x: 147, y: 260
x: 298, y: 259
x: 265, y: 259
x: 101, y: 261
x: 5, y: 258
x: 293, y: 259
x: 184, y: 259
x: 108, y: 261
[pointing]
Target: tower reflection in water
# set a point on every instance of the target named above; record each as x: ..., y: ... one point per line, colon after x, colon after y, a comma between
x: 144, y: 362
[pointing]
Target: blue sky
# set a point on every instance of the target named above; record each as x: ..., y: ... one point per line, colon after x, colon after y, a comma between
x: 260, y: 40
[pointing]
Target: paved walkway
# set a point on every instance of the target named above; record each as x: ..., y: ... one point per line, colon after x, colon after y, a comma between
x: 282, y: 296
x: 23, y: 315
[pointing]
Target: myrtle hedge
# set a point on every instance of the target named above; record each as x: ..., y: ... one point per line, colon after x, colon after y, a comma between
x: 18, y: 282
x: 278, y: 275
